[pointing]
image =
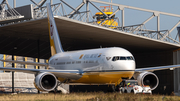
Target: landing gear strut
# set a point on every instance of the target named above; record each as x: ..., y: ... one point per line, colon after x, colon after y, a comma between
x: 62, y: 89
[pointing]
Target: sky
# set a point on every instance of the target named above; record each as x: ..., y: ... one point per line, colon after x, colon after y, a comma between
x: 133, y: 17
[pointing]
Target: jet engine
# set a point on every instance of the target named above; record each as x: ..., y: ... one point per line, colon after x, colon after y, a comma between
x: 45, y: 81
x: 148, y: 78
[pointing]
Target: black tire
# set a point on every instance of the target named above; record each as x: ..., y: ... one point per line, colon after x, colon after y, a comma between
x: 113, y: 88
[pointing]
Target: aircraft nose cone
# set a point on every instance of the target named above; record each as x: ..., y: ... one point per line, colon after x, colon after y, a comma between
x: 130, y: 65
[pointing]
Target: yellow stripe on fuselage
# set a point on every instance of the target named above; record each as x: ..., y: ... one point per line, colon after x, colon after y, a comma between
x: 52, y: 46
x: 104, y: 77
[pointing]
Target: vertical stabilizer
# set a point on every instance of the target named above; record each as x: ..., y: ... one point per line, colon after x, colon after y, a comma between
x: 55, y: 43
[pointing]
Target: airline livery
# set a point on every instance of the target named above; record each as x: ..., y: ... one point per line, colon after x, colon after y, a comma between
x: 94, y: 66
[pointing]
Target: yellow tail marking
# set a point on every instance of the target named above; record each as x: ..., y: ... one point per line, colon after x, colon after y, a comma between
x: 52, y: 46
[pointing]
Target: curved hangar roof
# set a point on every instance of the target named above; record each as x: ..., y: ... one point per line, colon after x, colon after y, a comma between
x: 31, y: 38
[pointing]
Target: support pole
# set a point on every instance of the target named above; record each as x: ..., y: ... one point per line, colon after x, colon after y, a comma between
x: 14, y: 3
x: 87, y: 9
x: 122, y: 18
x: 38, y: 57
x: 38, y: 51
x: 158, y: 26
x: 51, y: 2
x: 12, y: 75
x: 4, y: 63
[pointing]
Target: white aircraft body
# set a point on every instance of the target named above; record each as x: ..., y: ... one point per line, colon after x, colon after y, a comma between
x: 94, y: 66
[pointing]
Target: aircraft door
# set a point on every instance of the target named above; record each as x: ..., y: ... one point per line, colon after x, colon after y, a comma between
x: 106, y: 63
x: 103, y: 62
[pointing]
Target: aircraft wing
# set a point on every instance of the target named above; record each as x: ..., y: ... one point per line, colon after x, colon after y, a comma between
x: 69, y: 74
x: 151, y: 69
x: 26, y: 63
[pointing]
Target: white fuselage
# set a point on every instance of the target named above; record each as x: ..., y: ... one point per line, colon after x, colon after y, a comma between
x: 95, y: 60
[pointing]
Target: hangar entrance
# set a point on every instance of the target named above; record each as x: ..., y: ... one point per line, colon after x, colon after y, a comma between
x: 161, y: 58
x: 150, y: 47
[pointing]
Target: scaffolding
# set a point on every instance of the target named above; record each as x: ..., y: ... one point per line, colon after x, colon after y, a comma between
x: 7, y: 13
x: 84, y: 14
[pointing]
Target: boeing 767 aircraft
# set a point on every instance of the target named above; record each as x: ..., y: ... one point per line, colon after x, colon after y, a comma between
x: 94, y: 66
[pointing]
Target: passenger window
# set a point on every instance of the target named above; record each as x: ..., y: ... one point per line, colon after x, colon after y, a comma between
x: 122, y: 58
x: 78, y: 62
x: 68, y: 63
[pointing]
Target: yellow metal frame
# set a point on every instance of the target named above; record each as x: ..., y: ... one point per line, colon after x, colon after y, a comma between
x: 36, y: 61
x: 108, y: 13
x: 25, y: 60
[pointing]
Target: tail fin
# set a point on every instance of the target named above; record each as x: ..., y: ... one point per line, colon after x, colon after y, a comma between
x: 55, y: 42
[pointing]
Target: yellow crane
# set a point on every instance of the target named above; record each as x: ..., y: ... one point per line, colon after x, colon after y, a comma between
x: 100, y: 17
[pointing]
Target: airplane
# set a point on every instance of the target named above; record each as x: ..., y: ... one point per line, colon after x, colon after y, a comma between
x: 92, y: 66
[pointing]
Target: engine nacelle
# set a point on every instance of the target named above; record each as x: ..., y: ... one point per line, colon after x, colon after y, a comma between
x: 45, y: 81
x: 148, y: 78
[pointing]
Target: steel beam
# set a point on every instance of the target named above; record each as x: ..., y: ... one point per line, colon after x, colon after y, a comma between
x: 143, y: 23
x: 51, y: 2
x: 122, y: 18
x: 34, y: 2
x: 170, y: 31
x: 40, y: 4
x: 68, y: 5
x: 136, y: 8
x: 158, y: 26
x: 99, y: 9
x: 14, y: 3
x: 77, y: 9
x: 114, y: 12
x: 87, y: 9
x: 3, y: 1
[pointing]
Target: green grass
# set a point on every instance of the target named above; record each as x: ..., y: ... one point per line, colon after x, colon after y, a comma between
x: 93, y: 96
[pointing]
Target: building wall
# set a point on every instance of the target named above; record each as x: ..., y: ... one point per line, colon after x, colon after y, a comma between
x: 20, y: 58
x: 176, y: 58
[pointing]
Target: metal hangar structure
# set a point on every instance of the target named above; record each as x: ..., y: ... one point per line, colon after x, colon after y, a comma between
x: 24, y: 32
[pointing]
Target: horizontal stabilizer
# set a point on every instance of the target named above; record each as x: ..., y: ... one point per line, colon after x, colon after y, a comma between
x: 26, y: 63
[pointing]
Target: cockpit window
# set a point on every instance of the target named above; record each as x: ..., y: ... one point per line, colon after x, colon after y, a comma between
x: 130, y: 58
x: 115, y: 58
x: 122, y: 58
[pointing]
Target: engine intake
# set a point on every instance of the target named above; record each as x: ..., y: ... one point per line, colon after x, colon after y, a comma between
x: 45, y: 81
x: 148, y: 78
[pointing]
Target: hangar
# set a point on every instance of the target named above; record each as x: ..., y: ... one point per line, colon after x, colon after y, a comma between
x: 29, y: 37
